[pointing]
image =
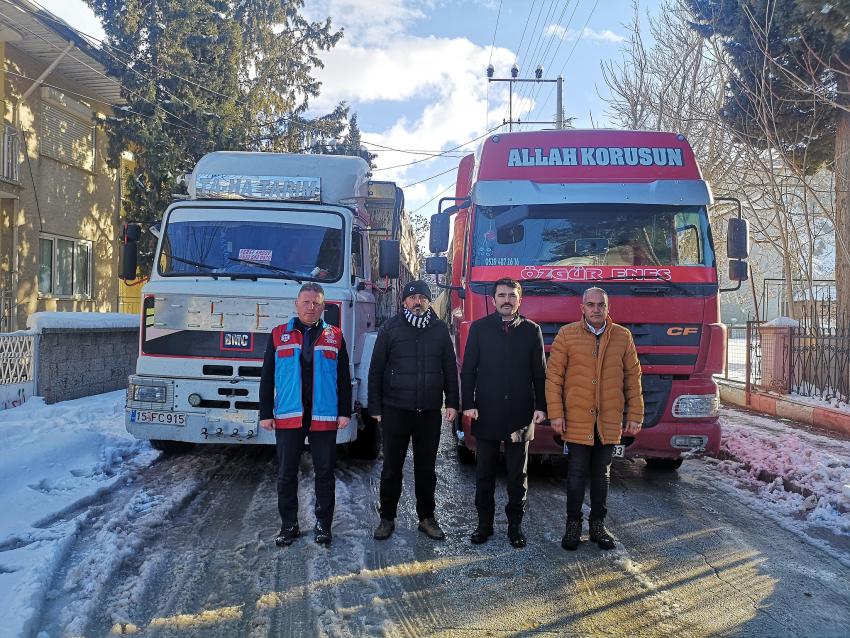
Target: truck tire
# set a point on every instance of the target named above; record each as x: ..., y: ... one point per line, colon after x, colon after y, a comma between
x: 171, y: 447
x: 664, y: 465
x: 367, y: 446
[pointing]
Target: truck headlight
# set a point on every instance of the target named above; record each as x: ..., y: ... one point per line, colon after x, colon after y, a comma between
x: 696, y: 406
x: 149, y: 393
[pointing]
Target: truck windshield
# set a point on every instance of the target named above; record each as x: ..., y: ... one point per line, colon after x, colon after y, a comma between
x: 227, y: 247
x: 592, y: 234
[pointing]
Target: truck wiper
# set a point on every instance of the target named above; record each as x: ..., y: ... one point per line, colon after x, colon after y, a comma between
x: 207, y: 269
x: 664, y: 284
x: 547, y: 289
x: 283, y: 271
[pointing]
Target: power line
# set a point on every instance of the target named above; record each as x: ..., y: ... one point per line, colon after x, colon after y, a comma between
x: 430, y: 200
x: 569, y: 57
x: 490, y: 61
x: 287, y: 119
x: 425, y: 159
x: 537, y: 87
x: 96, y: 71
x: 428, y: 179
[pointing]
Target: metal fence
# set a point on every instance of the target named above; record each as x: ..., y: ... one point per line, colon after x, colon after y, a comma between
x: 736, y: 353
x: 819, y: 357
x: 17, y: 359
x: 811, y: 359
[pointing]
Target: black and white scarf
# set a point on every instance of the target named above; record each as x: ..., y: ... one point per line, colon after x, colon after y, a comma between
x: 418, y: 322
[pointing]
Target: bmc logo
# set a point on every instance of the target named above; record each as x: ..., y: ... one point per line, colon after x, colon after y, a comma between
x: 237, y: 341
x: 676, y: 331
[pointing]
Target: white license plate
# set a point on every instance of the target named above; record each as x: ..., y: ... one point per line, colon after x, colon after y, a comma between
x: 158, y: 418
x: 619, y: 451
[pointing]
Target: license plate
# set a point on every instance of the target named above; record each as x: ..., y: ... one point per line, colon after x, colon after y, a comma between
x: 619, y: 451
x: 158, y: 418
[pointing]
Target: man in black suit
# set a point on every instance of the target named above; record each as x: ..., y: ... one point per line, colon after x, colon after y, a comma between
x: 503, y: 383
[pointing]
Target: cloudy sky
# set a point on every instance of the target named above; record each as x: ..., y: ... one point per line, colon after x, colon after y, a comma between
x: 414, y: 71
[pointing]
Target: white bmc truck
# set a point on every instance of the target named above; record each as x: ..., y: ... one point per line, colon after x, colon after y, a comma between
x: 229, y: 262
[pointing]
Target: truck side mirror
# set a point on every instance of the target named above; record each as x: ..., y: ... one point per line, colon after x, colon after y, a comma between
x: 389, y: 258
x: 438, y: 240
x: 738, y: 270
x: 130, y: 251
x: 437, y: 265
x: 738, y: 239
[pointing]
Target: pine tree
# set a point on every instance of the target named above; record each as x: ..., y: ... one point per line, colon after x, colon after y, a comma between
x: 350, y: 145
x: 204, y: 75
x: 790, y: 60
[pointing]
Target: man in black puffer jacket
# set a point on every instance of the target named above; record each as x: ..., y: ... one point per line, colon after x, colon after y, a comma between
x: 413, y: 366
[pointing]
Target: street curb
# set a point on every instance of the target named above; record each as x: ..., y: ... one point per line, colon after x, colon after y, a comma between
x: 780, y: 405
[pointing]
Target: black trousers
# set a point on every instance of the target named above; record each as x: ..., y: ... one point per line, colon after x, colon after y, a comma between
x: 290, y: 445
x: 398, y: 427
x: 487, y: 462
x: 583, y: 462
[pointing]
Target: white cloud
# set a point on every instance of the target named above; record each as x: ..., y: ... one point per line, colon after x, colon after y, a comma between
x: 369, y: 22
x: 447, y: 73
x: 607, y: 35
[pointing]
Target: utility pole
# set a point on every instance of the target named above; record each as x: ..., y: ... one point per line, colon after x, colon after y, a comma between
x: 538, y: 78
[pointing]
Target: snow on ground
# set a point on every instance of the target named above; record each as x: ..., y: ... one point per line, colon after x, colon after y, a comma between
x: 834, y: 403
x: 54, y: 460
x: 38, y: 321
x: 795, y: 472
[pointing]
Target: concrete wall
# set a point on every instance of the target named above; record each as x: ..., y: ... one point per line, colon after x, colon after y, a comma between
x: 71, y: 202
x: 76, y: 362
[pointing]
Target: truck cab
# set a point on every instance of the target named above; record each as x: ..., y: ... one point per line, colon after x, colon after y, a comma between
x: 228, y: 266
x: 628, y: 211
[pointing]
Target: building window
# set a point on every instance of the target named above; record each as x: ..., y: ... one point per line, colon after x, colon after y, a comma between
x: 67, y: 130
x: 65, y: 267
x: 11, y: 151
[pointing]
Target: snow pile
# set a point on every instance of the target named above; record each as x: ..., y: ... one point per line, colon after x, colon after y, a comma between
x: 54, y: 461
x: 797, y: 473
x: 782, y: 322
x: 38, y: 321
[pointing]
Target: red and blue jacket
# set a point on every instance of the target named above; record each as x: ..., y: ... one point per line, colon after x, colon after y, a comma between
x: 330, y: 382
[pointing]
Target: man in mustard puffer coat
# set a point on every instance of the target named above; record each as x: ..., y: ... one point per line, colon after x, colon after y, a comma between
x: 592, y: 379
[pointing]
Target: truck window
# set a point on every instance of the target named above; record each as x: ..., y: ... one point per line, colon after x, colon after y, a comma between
x: 357, y: 268
x: 197, y: 241
x: 593, y: 234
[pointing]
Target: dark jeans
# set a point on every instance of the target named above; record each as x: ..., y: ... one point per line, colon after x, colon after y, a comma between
x: 397, y: 428
x: 487, y: 462
x: 593, y: 461
x: 290, y: 445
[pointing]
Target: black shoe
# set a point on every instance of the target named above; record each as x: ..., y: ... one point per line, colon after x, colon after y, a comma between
x: 384, y: 529
x: 431, y: 529
x: 287, y: 536
x: 516, y: 536
x: 481, y: 534
x: 600, y: 535
x: 572, y: 537
x: 323, y: 534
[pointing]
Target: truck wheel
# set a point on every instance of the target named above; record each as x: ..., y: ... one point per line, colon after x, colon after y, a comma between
x: 664, y: 465
x: 367, y: 446
x: 171, y: 447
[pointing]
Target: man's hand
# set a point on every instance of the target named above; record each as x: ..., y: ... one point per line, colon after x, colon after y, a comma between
x: 472, y: 414
x: 539, y: 416
x: 451, y: 415
x: 632, y: 427
x: 559, y: 425
x: 377, y: 417
x: 342, y: 421
x: 267, y: 424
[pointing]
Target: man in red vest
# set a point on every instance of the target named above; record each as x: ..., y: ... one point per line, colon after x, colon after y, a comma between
x: 305, y: 391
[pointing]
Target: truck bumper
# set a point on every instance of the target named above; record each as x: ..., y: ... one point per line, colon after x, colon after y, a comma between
x: 659, y: 441
x: 176, y: 420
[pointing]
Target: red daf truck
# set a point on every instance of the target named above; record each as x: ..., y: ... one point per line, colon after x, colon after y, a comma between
x: 628, y: 211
